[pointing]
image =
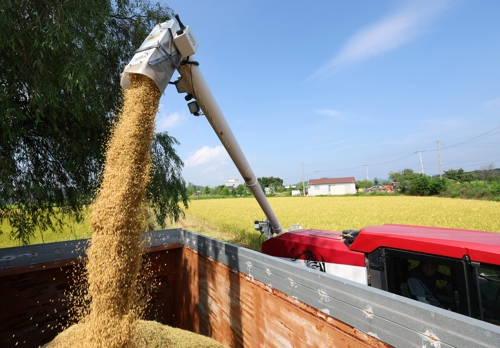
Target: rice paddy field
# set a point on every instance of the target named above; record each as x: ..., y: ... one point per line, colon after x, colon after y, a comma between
x: 232, y: 219
x: 72, y: 232
x: 236, y: 216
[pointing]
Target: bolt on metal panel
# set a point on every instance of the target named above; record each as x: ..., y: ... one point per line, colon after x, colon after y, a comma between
x: 393, y: 319
x: 163, y: 237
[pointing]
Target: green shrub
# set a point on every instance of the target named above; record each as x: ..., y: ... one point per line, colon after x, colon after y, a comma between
x: 423, y: 185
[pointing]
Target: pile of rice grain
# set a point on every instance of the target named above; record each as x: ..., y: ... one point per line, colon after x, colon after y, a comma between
x: 115, y: 254
x: 148, y: 334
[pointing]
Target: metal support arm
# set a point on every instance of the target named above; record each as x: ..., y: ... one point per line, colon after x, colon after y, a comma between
x: 194, y: 83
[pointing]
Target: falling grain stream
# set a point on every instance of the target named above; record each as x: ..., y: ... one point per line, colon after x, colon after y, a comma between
x: 115, y: 254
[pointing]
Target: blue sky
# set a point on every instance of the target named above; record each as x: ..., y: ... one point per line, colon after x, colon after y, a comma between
x: 342, y: 87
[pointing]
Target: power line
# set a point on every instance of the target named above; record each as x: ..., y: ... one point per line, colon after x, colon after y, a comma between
x: 470, y: 141
x: 481, y: 136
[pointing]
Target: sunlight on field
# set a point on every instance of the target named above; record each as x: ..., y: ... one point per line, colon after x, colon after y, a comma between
x: 340, y: 213
x: 236, y: 216
x: 72, y: 232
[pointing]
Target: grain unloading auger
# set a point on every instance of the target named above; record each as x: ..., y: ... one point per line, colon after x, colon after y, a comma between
x: 170, y: 47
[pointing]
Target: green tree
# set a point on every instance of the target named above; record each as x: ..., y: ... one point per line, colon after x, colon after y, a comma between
x: 224, y: 191
x: 423, y: 185
x: 206, y: 191
x: 403, y: 177
x: 364, y: 184
x: 270, y: 182
x: 300, y: 187
x: 167, y: 188
x: 191, y: 189
x: 459, y: 175
x: 487, y: 172
x: 59, y: 95
x: 241, y: 190
x: 217, y: 190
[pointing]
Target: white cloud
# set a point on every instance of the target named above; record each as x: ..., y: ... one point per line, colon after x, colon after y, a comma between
x: 170, y: 121
x: 328, y: 112
x: 492, y: 103
x: 210, y: 169
x: 207, y: 155
x: 399, y: 27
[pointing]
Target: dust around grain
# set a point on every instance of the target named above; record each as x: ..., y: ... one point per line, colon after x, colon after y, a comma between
x: 118, y: 221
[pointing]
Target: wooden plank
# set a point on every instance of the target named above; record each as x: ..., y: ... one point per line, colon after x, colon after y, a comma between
x: 34, y: 308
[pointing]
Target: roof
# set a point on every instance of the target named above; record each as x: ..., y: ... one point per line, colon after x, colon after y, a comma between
x: 455, y: 243
x: 324, y: 245
x: 324, y: 181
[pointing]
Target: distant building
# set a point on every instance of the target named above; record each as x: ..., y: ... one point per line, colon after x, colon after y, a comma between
x: 232, y: 183
x: 332, y: 186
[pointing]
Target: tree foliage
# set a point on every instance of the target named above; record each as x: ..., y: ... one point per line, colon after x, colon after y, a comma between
x: 423, y: 185
x: 459, y: 175
x: 403, y: 175
x: 59, y: 96
x: 488, y: 172
x: 270, y: 182
x: 364, y: 184
x: 167, y: 187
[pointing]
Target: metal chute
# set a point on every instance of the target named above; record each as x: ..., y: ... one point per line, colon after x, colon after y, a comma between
x: 169, y: 47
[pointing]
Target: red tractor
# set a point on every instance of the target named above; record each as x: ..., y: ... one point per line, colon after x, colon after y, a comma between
x: 386, y: 257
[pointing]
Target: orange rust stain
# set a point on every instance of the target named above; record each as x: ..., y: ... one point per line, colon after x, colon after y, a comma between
x: 242, y: 313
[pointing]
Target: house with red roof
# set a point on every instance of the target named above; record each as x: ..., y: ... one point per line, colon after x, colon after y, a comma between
x: 332, y: 186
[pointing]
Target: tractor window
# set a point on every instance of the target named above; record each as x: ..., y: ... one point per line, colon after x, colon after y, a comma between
x: 431, y: 279
x: 488, y: 280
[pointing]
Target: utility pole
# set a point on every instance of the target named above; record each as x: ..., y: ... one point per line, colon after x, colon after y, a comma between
x: 439, y: 160
x: 421, y: 164
x: 366, y: 166
x: 303, y: 183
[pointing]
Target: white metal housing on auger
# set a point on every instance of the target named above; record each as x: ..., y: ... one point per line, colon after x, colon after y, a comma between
x: 170, y: 47
x: 160, y: 54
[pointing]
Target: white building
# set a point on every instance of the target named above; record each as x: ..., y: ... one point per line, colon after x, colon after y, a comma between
x: 232, y: 183
x: 332, y: 186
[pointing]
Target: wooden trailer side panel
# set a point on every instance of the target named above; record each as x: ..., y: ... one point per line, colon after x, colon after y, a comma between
x: 33, y: 306
x: 162, y: 272
x: 33, y: 298
x: 239, y: 311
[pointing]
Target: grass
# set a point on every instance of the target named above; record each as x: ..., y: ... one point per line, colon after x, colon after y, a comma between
x: 76, y: 231
x: 72, y: 232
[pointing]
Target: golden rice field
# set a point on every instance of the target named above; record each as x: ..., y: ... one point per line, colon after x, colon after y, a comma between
x: 72, y: 231
x: 340, y: 213
x: 236, y: 216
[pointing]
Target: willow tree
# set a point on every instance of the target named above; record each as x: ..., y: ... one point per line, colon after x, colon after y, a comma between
x: 59, y: 97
